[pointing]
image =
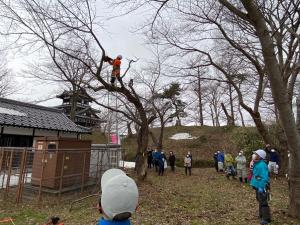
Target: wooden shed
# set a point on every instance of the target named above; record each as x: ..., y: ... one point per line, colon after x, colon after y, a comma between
x: 60, y: 162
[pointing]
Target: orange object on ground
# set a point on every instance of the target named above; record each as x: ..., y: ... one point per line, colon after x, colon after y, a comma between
x: 6, y: 220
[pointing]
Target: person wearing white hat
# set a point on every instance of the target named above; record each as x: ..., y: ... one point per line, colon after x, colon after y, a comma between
x: 119, y: 198
x: 259, y: 182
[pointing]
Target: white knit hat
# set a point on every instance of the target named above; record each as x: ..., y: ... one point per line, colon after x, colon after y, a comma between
x: 119, y: 193
x: 261, y: 153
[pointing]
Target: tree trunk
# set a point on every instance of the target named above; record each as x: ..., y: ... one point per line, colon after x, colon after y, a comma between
x: 73, y: 109
x: 298, y: 112
x: 212, y: 115
x: 199, y: 93
x: 261, y: 128
x: 161, y: 137
x: 154, y: 139
x: 231, y: 106
x: 129, y: 130
x: 141, y: 156
x: 276, y: 115
x: 216, y: 114
x: 230, y: 121
x: 281, y: 99
x: 241, y: 115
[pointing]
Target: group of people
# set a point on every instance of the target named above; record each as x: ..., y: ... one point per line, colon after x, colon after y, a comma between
x: 226, y: 163
x: 262, y: 164
x: 238, y: 166
x: 119, y: 198
x: 159, y: 161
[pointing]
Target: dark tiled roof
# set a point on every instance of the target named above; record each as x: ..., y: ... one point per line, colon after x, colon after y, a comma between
x: 15, y: 113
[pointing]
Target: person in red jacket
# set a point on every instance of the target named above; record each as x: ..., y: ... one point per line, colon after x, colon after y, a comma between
x: 116, y: 71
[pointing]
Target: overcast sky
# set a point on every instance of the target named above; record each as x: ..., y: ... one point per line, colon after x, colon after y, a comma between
x: 117, y: 38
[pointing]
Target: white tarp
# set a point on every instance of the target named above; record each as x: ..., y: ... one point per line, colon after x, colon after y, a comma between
x: 14, y: 180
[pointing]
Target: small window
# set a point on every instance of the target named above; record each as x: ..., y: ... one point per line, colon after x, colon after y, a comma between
x: 51, y: 147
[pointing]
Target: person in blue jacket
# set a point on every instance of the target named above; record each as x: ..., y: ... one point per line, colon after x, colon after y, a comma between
x: 220, y: 158
x: 155, y: 159
x: 161, y: 164
x: 260, y: 182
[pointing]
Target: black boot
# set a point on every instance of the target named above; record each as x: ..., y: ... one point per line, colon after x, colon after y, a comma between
x: 241, y: 180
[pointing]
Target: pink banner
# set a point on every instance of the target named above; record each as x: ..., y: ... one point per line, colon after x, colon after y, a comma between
x: 114, y: 139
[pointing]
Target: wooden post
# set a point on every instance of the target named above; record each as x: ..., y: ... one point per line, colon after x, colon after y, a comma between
x: 4, y: 170
x: 1, y: 160
x: 83, y: 172
x: 61, y: 175
x: 97, y: 171
x: 24, y: 174
x: 9, y: 172
x: 20, y: 176
x: 41, y: 177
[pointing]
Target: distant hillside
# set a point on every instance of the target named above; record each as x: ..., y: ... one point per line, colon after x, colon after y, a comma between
x: 207, y: 140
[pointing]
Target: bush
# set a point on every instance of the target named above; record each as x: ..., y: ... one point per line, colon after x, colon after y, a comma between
x: 247, y: 140
x: 198, y: 142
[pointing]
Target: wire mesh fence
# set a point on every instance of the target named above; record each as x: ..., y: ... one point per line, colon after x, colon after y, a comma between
x: 29, y: 174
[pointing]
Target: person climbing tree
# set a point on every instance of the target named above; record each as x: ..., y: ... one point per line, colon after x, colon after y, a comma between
x: 116, y: 63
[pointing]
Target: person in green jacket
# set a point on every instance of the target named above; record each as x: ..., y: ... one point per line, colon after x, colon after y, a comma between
x: 229, y: 161
x: 241, y: 167
x: 260, y: 182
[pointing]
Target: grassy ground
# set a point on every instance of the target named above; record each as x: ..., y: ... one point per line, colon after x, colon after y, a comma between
x: 174, y: 199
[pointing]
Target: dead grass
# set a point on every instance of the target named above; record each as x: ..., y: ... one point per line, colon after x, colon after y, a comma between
x: 204, y: 198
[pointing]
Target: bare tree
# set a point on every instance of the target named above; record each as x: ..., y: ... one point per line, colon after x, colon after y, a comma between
x: 265, y: 34
x: 6, y: 79
x: 51, y: 25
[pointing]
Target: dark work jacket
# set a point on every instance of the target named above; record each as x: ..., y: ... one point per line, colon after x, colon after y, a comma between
x: 172, y: 159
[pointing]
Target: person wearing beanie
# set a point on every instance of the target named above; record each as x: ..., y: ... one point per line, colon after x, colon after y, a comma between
x: 268, y: 151
x: 259, y: 182
x: 150, y: 158
x: 241, y: 167
x: 172, y: 160
x: 119, y: 198
x: 273, y: 162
